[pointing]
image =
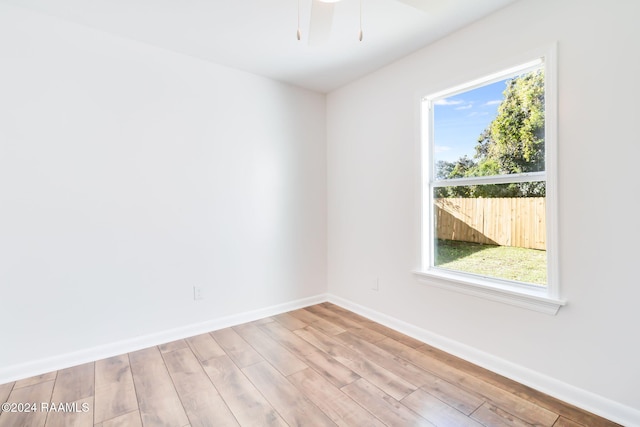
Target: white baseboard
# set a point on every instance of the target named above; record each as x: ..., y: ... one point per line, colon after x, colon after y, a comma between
x: 584, y: 399
x: 38, y: 367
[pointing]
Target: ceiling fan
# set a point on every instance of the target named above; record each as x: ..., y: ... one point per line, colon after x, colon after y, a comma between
x: 322, y: 17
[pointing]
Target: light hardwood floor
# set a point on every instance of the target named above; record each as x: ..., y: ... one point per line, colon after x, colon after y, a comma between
x: 318, y: 366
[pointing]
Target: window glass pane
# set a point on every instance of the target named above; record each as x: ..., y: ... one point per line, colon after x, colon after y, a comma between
x: 489, y: 231
x: 495, y: 129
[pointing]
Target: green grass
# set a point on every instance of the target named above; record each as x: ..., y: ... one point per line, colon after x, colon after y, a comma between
x: 520, y: 264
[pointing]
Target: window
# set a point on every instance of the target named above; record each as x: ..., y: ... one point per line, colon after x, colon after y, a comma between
x: 488, y: 190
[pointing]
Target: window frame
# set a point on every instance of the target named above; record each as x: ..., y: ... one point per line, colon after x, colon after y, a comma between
x: 545, y: 299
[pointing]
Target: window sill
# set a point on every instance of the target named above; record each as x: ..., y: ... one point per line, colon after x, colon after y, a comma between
x: 529, y: 298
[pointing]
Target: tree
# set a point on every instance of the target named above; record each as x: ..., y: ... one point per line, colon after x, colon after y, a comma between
x: 458, y: 169
x: 512, y: 143
x: 515, y: 138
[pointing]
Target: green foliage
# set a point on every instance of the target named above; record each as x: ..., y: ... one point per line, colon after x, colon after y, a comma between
x: 512, y: 143
x: 516, y: 135
x: 448, y: 170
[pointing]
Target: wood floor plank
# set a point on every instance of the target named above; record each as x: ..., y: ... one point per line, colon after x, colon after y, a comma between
x: 493, y: 416
x: 339, y: 407
x: 344, y: 312
x: 157, y: 398
x: 454, y: 396
x: 521, y: 408
x: 360, y: 326
x: 564, y: 422
x: 374, y: 326
x: 367, y: 334
x: 80, y: 414
x: 436, y: 411
x: 281, y: 358
x: 246, y: 403
x: 200, y: 399
x: 567, y: 411
x: 115, y: 393
x: 49, y: 376
x: 383, y: 406
x: 335, y: 372
x: 74, y: 383
x: 554, y: 405
x: 288, y: 339
x: 293, y: 406
x: 36, y: 393
x: 290, y: 322
x: 5, y: 390
x: 131, y: 419
x: 236, y: 347
x: 261, y: 321
x: 328, y: 327
x: 333, y: 317
x: 382, y: 378
x: 304, y: 315
x: 389, y: 361
x: 320, y: 322
x: 173, y: 345
x: 395, y: 335
x: 205, y: 347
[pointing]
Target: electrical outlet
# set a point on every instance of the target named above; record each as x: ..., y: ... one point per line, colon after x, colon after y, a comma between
x: 197, y: 293
x: 375, y: 284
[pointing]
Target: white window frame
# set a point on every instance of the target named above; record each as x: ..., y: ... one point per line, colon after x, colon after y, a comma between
x: 545, y: 299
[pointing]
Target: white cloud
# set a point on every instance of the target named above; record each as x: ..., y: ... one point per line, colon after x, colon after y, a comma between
x: 494, y: 102
x: 464, y: 107
x: 448, y: 102
x: 476, y: 114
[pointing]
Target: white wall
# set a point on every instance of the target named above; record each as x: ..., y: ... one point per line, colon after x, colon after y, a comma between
x: 129, y: 174
x: 373, y: 178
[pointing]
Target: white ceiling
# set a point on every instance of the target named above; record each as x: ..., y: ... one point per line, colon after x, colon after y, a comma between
x: 259, y: 36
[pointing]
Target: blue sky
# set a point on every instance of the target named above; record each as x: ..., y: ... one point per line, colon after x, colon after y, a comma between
x: 460, y: 119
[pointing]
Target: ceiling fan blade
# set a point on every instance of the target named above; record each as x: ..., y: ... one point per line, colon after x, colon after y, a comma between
x: 321, y: 22
x: 426, y: 6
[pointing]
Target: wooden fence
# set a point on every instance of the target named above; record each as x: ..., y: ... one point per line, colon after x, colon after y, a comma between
x: 516, y: 222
